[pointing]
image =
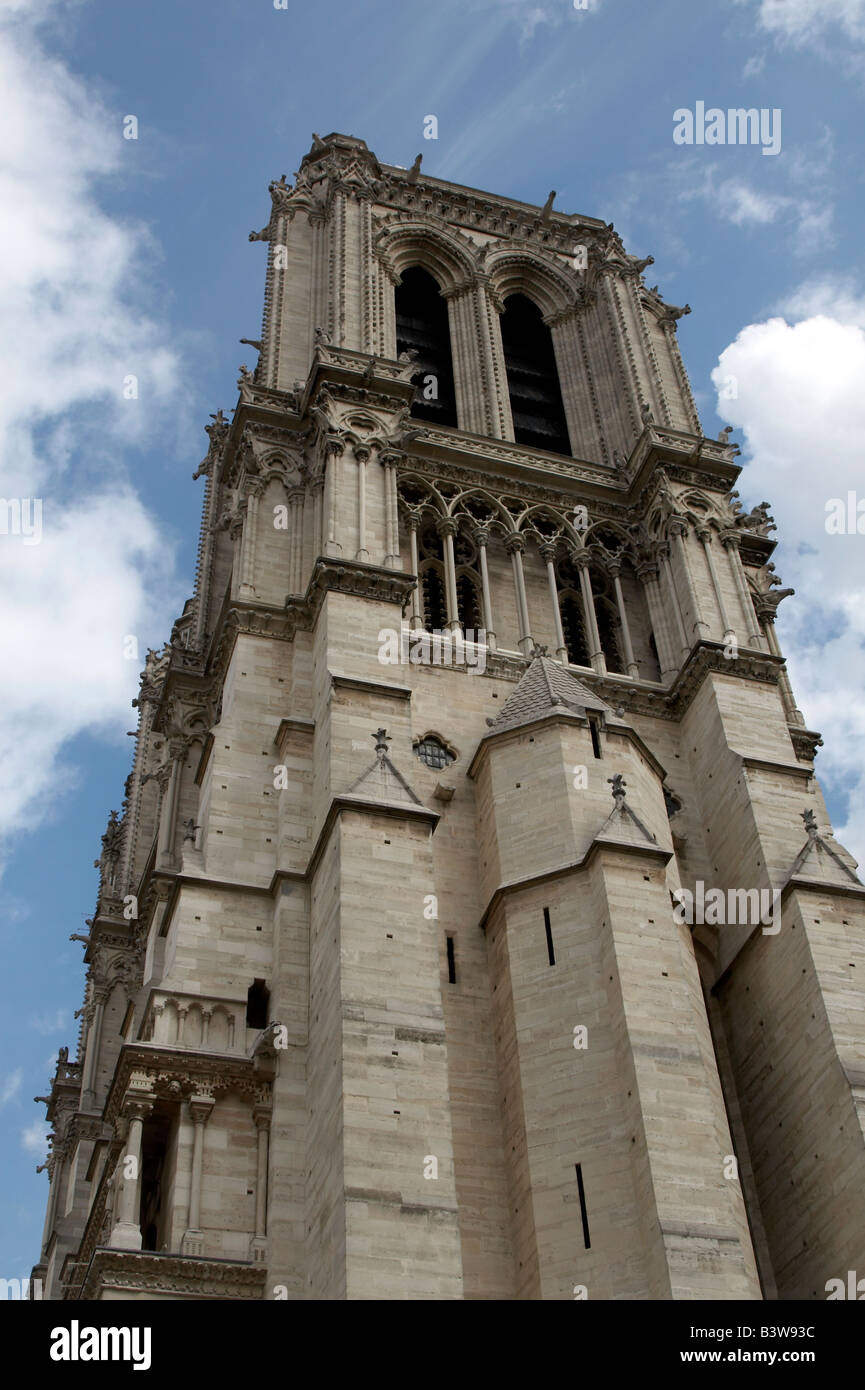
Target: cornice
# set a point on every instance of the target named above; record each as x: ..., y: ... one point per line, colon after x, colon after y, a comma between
x: 170, y: 1275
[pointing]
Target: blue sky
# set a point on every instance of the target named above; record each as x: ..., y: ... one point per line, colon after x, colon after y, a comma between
x: 131, y: 257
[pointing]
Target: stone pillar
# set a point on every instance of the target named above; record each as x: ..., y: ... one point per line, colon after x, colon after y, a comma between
x: 168, y: 819
x: 361, y: 453
x: 261, y: 1115
x: 649, y: 575
x: 295, y: 503
x: 572, y: 379
x: 481, y: 538
x: 732, y: 542
x: 391, y: 513
x: 318, y: 540
x: 447, y: 529
x: 596, y: 654
x: 333, y: 451
x: 794, y: 714
x: 200, y: 1108
x: 678, y: 530
x: 246, y: 588
x: 630, y: 663
x: 515, y: 545
x: 126, y: 1232
x: 91, y: 1051
x: 548, y: 555
x: 416, y: 617
x: 705, y: 536
x: 664, y: 556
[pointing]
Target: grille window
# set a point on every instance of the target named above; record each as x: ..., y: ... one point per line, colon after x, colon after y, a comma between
x: 533, y: 379
x: 433, y: 752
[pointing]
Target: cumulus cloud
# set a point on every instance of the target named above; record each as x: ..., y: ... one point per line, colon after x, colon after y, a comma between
x: 11, y: 1086
x: 801, y: 407
x: 85, y: 371
x: 35, y: 1137
x: 833, y: 29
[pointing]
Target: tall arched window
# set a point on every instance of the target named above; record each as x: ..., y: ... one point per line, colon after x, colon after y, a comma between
x: 533, y: 379
x: 432, y: 579
x: 422, y: 326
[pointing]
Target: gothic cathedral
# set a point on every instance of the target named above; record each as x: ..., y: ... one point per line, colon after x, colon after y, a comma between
x: 473, y: 927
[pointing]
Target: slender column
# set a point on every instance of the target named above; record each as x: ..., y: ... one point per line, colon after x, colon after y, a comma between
x: 447, y: 529
x: 126, y: 1233
x: 168, y: 821
x: 649, y: 575
x: 415, y: 618
x: 596, y: 655
x: 632, y: 667
x: 200, y: 1108
x: 333, y: 450
x: 318, y: 539
x: 515, y: 545
x: 261, y: 1115
x: 388, y: 464
x: 481, y: 539
x: 678, y: 531
x: 731, y: 543
x: 548, y: 555
x: 664, y: 554
x: 705, y: 536
x: 361, y: 453
x: 91, y: 1051
x: 247, y: 545
x: 794, y: 714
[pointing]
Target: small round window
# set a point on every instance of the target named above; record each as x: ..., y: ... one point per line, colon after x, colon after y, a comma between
x: 433, y: 752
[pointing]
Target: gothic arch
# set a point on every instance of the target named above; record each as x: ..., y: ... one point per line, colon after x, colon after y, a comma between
x: 535, y: 274
x: 437, y: 250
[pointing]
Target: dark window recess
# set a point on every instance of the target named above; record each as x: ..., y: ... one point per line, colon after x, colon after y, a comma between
x: 435, y: 613
x: 586, y: 1241
x: 533, y: 379
x: 257, y: 1000
x: 608, y: 631
x: 549, y: 931
x: 422, y: 326
x: 469, y: 603
x: 154, y: 1148
x: 596, y: 737
x: 572, y: 626
x: 433, y: 752
x: 655, y: 670
x: 452, y: 968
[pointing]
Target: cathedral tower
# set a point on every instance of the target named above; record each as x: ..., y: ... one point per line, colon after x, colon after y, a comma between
x: 473, y: 926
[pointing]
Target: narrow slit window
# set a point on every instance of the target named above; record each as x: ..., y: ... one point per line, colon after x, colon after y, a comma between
x: 452, y: 967
x: 257, y: 1001
x: 596, y: 737
x: 582, y: 1191
x: 549, y: 931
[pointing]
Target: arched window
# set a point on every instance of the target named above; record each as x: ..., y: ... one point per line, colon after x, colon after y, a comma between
x: 432, y: 579
x: 433, y: 752
x: 571, y: 608
x: 533, y: 380
x: 422, y: 326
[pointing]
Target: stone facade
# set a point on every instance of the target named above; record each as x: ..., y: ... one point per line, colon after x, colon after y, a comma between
x: 389, y: 993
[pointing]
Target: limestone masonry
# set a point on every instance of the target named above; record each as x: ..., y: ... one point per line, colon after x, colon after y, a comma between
x: 388, y: 995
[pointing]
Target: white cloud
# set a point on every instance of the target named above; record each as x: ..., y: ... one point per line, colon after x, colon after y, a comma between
x: 35, y: 1137
x: 11, y: 1086
x: 73, y: 332
x: 801, y: 20
x: 754, y: 66
x: 50, y: 1023
x: 802, y: 410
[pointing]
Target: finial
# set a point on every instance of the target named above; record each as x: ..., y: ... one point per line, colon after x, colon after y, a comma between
x: 618, y: 784
x: 381, y: 742
x: 538, y: 650
x: 810, y: 824
x: 189, y: 829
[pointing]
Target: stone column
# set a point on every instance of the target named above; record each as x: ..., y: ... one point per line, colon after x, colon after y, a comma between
x: 596, y: 654
x: 391, y: 513
x: 261, y: 1115
x: 361, y: 453
x: 481, y: 538
x: 416, y: 617
x: 318, y: 540
x: 705, y: 536
x: 447, y: 529
x: 515, y: 545
x: 126, y: 1232
x: 572, y: 379
x: 200, y: 1108
x: 678, y: 530
x: 548, y: 555
x: 794, y: 714
x: 91, y: 1051
x: 649, y: 575
x: 664, y: 556
x: 333, y: 451
x: 630, y: 663
x: 731, y: 542
x: 168, y: 819
x: 295, y: 503
x: 246, y: 588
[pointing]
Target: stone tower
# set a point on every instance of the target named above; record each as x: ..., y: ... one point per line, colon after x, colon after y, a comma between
x: 473, y: 926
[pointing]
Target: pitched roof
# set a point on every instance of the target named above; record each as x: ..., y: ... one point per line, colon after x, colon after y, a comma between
x: 545, y: 688
x: 822, y: 860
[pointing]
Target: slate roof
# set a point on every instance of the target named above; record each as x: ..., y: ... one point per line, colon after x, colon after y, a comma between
x: 545, y: 688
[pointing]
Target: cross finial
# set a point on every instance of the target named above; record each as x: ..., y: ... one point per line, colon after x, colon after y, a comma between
x: 538, y: 650
x: 381, y: 742
x: 810, y: 824
x: 618, y: 784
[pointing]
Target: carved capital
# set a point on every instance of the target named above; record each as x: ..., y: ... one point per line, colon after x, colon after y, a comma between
x: 447, y: 526
x: 514, y: 543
